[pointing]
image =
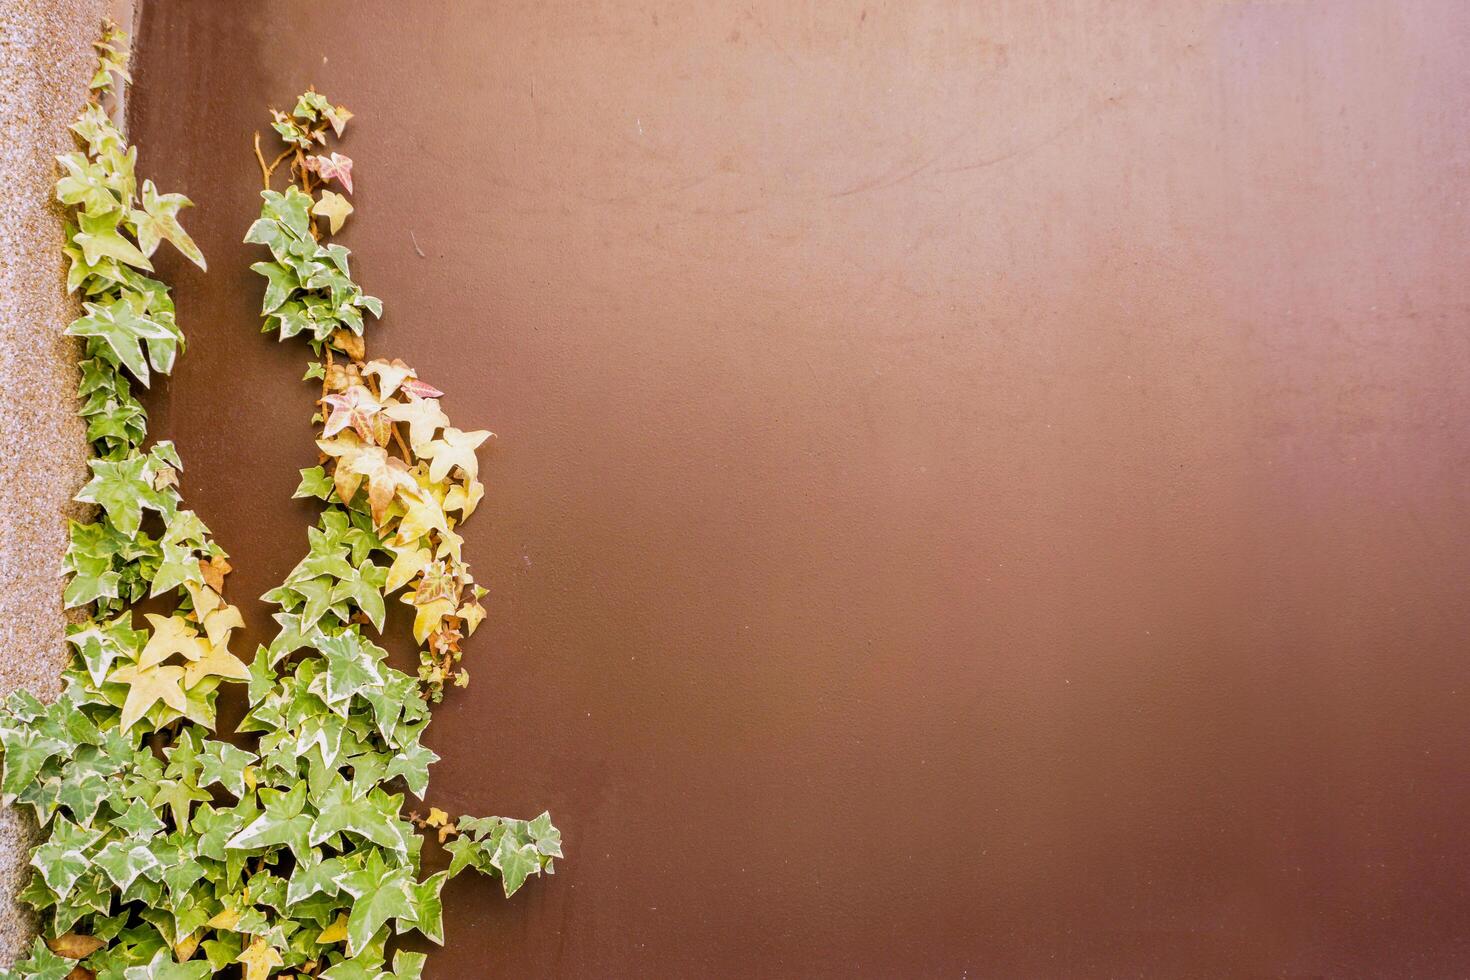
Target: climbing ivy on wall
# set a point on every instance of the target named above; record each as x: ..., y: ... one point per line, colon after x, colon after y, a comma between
x: 171, y: 850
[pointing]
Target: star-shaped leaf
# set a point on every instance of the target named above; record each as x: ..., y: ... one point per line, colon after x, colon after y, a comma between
x: 334, y: 207
x: 223, y: 763
x: 219, y: 622
x: 125, y: 331
x: 423, y: 416
x: 381, y: 893
x: 100, y: 237
x: 387, y: 477
x: 148, y: 687
x: 428, y: 907
x: 408, y: 561
x: 260, y: 958
x: 282, y: 823
x: 515, y: 862
x: 454, y: 448
x: 219, y: 662
x: 159, y: 220
x: 171, y: 635
x: 371, y: 817
x: 63, y: 858
x: 122, y: 488
x: 390, y: 374
x: 355, y: 407
x: 124, y: 860
x: 352, y: 665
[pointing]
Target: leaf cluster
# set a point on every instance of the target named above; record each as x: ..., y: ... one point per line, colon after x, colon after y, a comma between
x: 170, y: 850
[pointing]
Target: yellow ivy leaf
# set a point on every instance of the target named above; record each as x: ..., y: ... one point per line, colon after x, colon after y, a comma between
x: 260, y: 957
x: 217, y: 625
x: 334, y: 207
x: 146, y: 688
x: 423, y: 416
x: 422, y: 516
x: 454, y: 448
x: 408, y: 561
x: 171, y: 635
x: 473, y: 615
x: 227, y: 919
x: 74, y: 945
x: 465, y: 498
x: 334, y: 933
x: 428, y: 616
x: 343, y: 449
x: 184, y: 948
x: 218, y: 663
x: 450, y: 545
x: 205, y: 599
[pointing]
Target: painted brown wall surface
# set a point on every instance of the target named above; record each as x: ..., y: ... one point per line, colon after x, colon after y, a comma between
x: 981, y: 487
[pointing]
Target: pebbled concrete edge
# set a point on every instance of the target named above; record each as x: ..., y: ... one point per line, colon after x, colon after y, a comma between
x: 46, y: 60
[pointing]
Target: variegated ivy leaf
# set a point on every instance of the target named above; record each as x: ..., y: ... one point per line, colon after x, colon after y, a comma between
x: 372, y: 817
x: 124, y: 330
x: 123, y: 489
x: 158, y: 220
x: 352, y: 664
x: 86, y: 185
x: 100, y: 236
x: 42, y: 964
x: 282, y: 823
x: 100, y: 644
x: 225, y: 764
x: 381, y: 893
x: 163, y: 966
x: 124, y: 860
x: 64, y: 857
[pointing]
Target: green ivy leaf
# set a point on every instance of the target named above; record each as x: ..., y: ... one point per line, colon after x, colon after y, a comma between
x: 164, y: 967
x: 314, y: 483
x: 124, y: 860
x: 100, y: 237
x: 42, y: 964
x: 515, y: 862
x: 64, y: 858
x: 380, y: 893
x: 352, y: 664
x: 223, y: 763
x: 283, y: 822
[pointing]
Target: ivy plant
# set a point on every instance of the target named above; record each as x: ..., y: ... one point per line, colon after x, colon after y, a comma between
x: 170, y: 850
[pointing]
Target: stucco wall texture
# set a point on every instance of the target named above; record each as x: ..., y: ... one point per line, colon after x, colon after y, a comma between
x: 46, y: 60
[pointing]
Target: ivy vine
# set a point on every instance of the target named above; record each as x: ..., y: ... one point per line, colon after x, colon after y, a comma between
x: 171, y: 851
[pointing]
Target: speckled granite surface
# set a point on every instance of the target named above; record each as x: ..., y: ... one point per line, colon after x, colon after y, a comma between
x: 45, y: 61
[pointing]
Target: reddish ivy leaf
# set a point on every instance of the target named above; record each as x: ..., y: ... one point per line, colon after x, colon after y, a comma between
x: 334, y: 167
x: 419, y: 389
x: 355, y: 408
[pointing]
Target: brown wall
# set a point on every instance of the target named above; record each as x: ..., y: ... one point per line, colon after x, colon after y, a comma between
x: 981, y: 488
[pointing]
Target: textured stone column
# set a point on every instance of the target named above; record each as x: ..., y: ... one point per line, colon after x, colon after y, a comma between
x: 46, y: 60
